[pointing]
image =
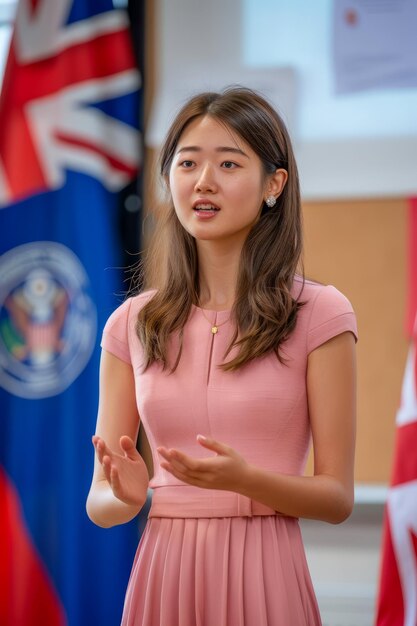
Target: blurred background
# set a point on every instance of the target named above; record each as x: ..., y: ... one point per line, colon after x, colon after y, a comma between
x: 88, y: 90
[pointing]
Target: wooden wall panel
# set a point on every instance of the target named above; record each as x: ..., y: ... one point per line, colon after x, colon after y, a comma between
x: 360, y: 247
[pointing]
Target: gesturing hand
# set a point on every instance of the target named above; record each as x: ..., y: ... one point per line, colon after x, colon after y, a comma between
x: 126, y: 473
x: 226, y: 470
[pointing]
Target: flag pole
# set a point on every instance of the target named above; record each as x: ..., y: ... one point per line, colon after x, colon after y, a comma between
x: 131, y: 197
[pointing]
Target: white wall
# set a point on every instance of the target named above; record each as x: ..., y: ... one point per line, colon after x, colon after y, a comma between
x: 205, y: 45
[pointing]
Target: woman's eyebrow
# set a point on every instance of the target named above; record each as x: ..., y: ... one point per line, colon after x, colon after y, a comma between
x: 219, y: 149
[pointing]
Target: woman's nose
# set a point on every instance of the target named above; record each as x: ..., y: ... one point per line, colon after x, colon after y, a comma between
x: 206, y: 180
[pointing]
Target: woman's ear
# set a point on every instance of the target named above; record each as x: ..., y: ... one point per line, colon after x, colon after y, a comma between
x: 276, y: 183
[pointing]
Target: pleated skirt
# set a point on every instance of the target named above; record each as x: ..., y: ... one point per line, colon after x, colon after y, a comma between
x: 233, y: 571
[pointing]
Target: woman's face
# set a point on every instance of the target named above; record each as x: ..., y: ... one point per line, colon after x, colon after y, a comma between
x: 217, y: 182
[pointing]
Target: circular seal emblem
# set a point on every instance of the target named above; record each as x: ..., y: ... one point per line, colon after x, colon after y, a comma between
x: 48, y: 322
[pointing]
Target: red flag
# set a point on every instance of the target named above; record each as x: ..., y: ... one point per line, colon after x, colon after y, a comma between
x: 26, y: 593
x: 397, y: 602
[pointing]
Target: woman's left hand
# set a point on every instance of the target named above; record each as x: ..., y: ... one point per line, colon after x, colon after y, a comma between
x: 226, y: 470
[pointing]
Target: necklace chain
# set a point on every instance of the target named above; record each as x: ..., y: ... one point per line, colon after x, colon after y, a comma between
x: 214, y: 327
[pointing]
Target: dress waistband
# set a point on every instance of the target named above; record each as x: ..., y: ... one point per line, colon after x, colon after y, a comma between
x: 185, y: 501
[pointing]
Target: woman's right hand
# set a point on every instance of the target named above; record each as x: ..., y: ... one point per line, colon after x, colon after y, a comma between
x: 125, y: 472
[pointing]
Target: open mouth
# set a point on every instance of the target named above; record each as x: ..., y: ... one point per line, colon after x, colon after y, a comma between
x: 206, y: 208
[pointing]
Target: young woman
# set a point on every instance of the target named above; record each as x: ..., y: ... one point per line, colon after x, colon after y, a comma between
x: 232, y: 360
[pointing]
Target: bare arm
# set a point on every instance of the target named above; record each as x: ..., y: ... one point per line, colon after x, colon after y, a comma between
x: 120, y: 479
x: 328, y: 495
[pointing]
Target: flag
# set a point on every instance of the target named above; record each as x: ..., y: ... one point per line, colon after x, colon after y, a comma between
x: 397, y: 599
x: 69, y: 143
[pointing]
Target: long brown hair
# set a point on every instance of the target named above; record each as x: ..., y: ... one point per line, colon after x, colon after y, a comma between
x: 264, y: 311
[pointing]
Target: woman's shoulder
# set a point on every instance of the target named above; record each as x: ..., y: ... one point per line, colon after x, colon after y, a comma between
x: 128, y: 310
x: 325, y: 312
x: 316, y: 295
x: 120, y: 326
x: 138, y: 301
x: 133, y: 303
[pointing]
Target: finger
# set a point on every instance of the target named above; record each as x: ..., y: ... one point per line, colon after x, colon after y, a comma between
x: 114, y: 480
x: 189, y: 462
x: 172, y: 470
x: 102, y: 449
x: 129, y: 447
x: 167, y: 466
x: 96, y: 442
x: 212, y: 444
x: 185, y: 477
x: 168, y: 455
x: 189, y: 478
x: 179, y: 459
x: 164, y: 452
x: 176, y: 465
x: 106, y: 465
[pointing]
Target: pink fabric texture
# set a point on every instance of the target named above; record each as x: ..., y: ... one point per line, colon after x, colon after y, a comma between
x: 212, y: 557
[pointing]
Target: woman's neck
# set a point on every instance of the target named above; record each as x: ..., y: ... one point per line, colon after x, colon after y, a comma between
x: 218, y: 271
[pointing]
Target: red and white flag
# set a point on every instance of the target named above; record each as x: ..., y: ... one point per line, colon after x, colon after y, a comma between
x: 397, y: 601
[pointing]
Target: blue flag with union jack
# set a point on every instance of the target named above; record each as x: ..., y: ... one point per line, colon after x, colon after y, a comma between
x: 69, y: 142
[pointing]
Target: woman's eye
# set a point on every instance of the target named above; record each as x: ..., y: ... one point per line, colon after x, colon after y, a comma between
x: 229, y: 165
x: 187, y: 164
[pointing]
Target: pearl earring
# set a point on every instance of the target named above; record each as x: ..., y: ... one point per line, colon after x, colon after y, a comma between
x: 271, y: 201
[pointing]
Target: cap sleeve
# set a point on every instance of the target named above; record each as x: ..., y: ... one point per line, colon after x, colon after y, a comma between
x: 115, y: 333
x: 332, y: 314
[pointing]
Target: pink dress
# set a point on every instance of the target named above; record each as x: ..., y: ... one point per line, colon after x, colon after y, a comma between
x: 209, y: 557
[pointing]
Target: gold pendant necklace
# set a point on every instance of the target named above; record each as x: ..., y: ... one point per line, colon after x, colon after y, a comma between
x: 214, y: 327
